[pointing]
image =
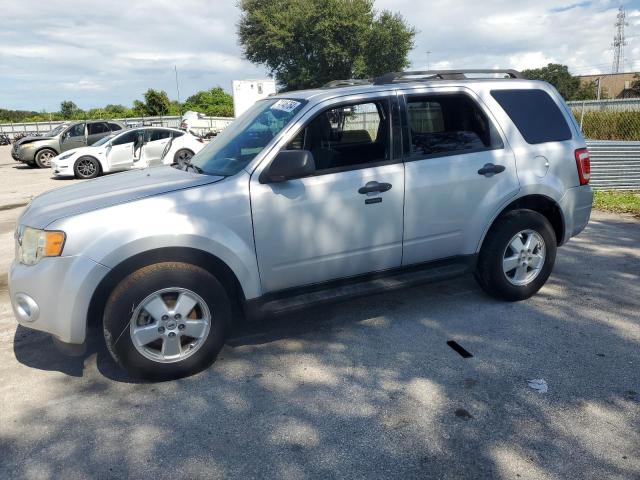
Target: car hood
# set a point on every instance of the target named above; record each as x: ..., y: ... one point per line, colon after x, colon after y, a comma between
x: 107, y: 191
x: 31, y: 138
x: 77, y: 152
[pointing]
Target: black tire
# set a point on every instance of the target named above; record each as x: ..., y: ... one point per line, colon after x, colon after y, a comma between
x: 182, y: 157
x: 131, y: 291
x: 44, y: 156
x: 86, y: 167
x: 490, y: 274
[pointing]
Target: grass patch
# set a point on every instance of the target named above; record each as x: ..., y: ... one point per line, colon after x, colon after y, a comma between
x: 618, y: 202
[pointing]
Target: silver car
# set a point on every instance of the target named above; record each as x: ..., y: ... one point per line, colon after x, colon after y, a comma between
x: 37, y: 151
x: 308, y: 197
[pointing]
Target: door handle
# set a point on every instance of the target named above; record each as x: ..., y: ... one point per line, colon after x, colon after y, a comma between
x: 371, y: 187
x: 489, y: 169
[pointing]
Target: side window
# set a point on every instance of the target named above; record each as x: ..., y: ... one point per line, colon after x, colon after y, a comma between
x: 176, y: 134
x: 114, y: 127
x: 76, y: 131
x: 347, y: 136
x: 128, y: 137
x: 535, y: 115
x: 95, y: 128
x: 448, y: 124
x: 158, y: 135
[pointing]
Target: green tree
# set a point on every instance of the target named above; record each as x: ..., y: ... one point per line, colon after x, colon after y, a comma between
x: 139, y: 108
x: 68, y: 109
x: 215, y: 102
x: 558, y: 76
x: 586, y: 91
x: 306, y: 43
x: 156, y: 102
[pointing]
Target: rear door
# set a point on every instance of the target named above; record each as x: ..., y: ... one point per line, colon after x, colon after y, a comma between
x: 459, y: 170
x: 156, y: 140
x: 96, y: 131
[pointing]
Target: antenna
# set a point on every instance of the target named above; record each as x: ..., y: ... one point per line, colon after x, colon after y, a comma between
x: 619, y: 41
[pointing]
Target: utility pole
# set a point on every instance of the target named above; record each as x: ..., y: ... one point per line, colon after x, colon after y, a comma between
x: 619, y: 41
x: 177, y: 87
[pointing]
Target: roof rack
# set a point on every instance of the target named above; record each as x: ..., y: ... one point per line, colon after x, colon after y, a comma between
x: 347, y: 83
x: 427, y: 75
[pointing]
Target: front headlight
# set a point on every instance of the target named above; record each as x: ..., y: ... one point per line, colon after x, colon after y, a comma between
x: 66, y: 155
x: 33, y: 244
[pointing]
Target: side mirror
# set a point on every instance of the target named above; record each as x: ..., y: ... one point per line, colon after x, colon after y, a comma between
x: 289, y: 164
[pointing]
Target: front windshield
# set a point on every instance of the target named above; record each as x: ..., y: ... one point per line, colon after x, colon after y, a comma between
x: 240, y: 142
x: 103, y: 140
x: 56, y: 130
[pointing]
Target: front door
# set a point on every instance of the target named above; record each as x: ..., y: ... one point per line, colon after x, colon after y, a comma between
x: 74, y: 137
x: 459, y: 170
x: 121, y: 151
x: 344, y: 220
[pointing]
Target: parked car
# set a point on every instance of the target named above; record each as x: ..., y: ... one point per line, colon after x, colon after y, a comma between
x: 309, y: 197
x: 126, y: 150
x: 37, y: 151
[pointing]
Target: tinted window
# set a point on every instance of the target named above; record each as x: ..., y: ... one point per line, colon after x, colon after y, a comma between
x: 128, y: 137
x: 159, y: 135
x: 535, y: 114
x: 177, y: 134
x: 348, y: 135
x: 95, y: 128
x: 448, y: 124
x: 114, y: 127
x: 76, y: 131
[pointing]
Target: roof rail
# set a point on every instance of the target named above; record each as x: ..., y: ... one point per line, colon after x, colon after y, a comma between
x: 347, y: 83
x: 426, y: 75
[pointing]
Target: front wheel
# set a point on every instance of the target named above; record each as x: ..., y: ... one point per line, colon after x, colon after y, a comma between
x: 166, y: 320
x: 86, y: 167
x: 517, y: 256
x: 44, y: 156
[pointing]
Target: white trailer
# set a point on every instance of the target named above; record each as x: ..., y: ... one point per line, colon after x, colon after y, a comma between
x: 247, y: 92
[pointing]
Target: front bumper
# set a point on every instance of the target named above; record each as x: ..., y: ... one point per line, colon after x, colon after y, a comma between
x: 23, y: 154
x: 62, y: 168
x: 53, y: 296
x: 576, y: 207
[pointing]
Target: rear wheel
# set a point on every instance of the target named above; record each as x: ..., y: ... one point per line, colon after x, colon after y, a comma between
x: 166, y: 320
x: 44, y: 156
x: 86, y: 167
x: 182, y: 157
x: 517, y: 256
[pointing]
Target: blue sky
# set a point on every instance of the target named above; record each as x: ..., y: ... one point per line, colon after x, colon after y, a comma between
x: 96, y: 52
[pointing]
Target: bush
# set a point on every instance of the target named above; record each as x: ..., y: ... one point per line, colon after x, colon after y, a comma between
x: 609, y: 125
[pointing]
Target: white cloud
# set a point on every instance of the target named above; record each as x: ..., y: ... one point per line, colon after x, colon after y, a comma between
x: 110, y: 52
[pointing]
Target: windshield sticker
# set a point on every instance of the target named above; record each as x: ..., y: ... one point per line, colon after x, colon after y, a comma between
x: 285, y: 105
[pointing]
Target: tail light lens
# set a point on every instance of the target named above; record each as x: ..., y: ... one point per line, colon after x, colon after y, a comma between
x: 583, y: 162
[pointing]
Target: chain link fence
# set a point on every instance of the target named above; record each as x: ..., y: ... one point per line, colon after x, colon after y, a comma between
x: 613, y: 119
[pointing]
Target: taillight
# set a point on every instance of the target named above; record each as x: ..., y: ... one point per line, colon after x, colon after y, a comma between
x: 583, y: 162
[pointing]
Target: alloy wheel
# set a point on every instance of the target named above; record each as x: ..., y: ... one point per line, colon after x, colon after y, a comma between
x: 524, y: 257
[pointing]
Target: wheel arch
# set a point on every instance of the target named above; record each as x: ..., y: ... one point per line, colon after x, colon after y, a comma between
x: 45, y: 147
x: 542, y: 204
x: 190, y: 255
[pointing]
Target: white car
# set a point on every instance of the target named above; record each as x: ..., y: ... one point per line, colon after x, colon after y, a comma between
x: 130, y: 149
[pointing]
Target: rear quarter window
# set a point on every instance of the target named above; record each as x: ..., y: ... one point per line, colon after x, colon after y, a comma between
x: 535, y: 115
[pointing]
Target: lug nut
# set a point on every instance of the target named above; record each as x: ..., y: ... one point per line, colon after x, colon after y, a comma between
x: 160, y: 329
x: 181, y: 326
x: 172, y: 334
x: 165, y: 317
x: 178, y: 316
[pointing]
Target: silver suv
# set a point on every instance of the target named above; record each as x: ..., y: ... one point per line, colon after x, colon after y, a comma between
x: 309, y: 197
x: 37, y: 151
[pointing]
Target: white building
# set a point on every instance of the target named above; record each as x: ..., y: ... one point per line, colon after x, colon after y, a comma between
x: 247, y: 92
